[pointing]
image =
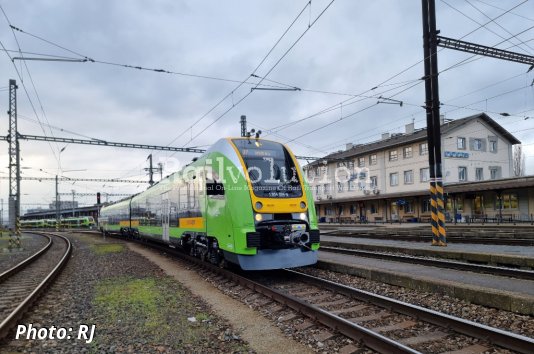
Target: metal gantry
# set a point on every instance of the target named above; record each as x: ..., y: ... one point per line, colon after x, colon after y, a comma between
x: 14, y: 167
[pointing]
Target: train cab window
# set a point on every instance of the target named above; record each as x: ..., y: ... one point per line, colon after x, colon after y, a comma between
x: 271, y: 169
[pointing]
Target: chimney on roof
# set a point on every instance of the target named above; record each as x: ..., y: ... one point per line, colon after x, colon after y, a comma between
x: 410, y: 128
x: 385, y: 136
x: 441, y: 119
x: 348, y: 146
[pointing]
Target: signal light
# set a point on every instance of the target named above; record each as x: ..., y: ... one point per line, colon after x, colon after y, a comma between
x: 98, y: 198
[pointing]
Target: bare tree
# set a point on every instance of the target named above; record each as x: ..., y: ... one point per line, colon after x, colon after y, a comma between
x: 518, y: 161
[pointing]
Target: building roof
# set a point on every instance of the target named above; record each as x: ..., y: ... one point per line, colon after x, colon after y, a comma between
x: 398, y: 139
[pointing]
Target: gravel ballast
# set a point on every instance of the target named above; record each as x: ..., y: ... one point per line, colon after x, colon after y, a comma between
x: 134, y: 306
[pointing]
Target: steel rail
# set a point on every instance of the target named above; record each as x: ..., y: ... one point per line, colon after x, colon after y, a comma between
x: 371, y: 339
x: 496, y: 336
x: 27, y: 261
x: 15, y: 315
x: 450, y: 239
x: 501, y: 271
x: 354, y: 331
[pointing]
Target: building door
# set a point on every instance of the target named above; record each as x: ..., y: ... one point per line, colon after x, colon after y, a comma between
x: 394, y: 211
x: 478, y: 206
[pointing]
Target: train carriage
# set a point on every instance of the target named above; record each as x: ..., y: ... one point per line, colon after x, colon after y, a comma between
x: 244, y: 201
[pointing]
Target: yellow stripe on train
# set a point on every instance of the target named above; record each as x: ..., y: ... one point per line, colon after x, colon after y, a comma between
x: 195, y: 223
x: 126, y: 223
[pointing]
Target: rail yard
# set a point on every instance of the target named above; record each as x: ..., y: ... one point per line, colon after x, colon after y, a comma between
x: 267, y: 177
x: 344, y: 304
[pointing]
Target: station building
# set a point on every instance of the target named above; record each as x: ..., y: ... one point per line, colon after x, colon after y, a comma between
x: 388, y: 180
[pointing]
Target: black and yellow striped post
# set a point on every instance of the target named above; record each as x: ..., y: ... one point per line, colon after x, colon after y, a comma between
x: 442, y: 241
x: 434, y: 212
x: 17, y: 233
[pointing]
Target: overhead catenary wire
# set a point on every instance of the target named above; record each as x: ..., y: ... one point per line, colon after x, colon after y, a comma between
x: 268, y: 72
x: 447, y: 69
x: 487, y: 23
x: 32, y: 83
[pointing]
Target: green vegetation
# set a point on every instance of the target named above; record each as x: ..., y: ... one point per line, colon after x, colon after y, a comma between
x: 154, y: 309
x: 106, y: 248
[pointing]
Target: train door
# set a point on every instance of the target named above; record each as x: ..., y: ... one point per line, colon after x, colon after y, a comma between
x: 218, y: 219
x: 165, y: 211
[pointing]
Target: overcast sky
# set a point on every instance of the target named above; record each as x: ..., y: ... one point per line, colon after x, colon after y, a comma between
x: 351, y: 48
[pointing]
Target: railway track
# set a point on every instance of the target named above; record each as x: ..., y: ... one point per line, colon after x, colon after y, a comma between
x: 463, y: 266
x: 382, y: 324
x: 425, y: 238
x: 21, y: 285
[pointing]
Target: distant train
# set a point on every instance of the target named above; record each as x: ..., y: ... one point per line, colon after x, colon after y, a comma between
x: 85, y: 222
x: 244, y: 201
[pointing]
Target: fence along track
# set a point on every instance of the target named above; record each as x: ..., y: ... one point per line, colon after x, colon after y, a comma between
x: 22, y: 284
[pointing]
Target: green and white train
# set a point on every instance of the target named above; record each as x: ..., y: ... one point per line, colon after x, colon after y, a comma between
x: 244, y: 201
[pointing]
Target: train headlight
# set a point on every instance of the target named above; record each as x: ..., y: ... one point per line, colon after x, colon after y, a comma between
x: 303, y: 216
x: 258, y: 217
x: 302, y: 205
x: 259, y: 205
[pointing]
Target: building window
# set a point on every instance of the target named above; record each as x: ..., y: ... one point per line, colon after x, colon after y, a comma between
x: 361, y: 161
x: 477, y: 144
x: 408, y: 206
x: 352, y: 186
x: 508, y: 201
x: 407, y: 152
x: 423, y: 149
x: 426, y: 206
x: 374, y: 182
x: 408, y: 177
x: 424, y: 174
x: 495, y: 172
x: 372, y: 159
x: 393, y: 155
x: 340, y: 187
x: 493, y: 145
x: 460, y: 143
x: 462, y: 174
x: 326, y: 188
x: 394, y: 179
x: 479, y: 174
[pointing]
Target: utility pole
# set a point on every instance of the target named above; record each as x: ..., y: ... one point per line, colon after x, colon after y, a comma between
x: 14, y: 167
x: 150, y: 171
x: 243, y: 122
x: 431, y: 41
x: 439, y: 236
x: 73, y: 193
x: 160, y: 169
x: 57, y: 205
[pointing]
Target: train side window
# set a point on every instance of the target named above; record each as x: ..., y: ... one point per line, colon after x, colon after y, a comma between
x: 214, y: 188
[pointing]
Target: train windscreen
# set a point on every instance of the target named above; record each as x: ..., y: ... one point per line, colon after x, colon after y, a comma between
x: 271, y: 169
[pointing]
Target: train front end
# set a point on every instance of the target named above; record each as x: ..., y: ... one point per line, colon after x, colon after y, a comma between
x: 284, y: 232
